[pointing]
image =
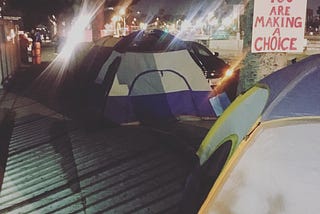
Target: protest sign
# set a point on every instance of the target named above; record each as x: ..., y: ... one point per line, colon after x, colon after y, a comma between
x: 278, y: 25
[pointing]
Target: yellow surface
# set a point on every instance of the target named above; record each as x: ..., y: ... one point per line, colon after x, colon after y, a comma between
x: 243, y: 146
x: 235, y: 122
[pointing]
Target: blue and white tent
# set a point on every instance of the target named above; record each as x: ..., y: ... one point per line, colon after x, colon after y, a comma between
x: 152, y: 78
x: 273, y: 165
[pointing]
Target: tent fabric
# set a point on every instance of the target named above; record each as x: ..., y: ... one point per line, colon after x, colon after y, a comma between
x: 91, y: 64
x: 220, y: 143
x: 94, y: 60
x: 279, y: 172
x: 235, y: 122
x: 153, y: 41
x: 219, y: 103
x: 294, y: 90
x: 179, y: 61
x: 153, y: 108
x: 107, y: 41
x: 276, y: 168
x: 154, y: 86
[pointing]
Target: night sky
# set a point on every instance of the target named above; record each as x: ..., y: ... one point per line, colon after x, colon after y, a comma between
x: 39, y: 6
x: 36, y: 10
x: 176, y: 6
x: 170, y: 6
x: 52, y: 6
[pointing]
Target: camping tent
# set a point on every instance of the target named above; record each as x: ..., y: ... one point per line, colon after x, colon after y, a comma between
x: 275, y: 166
x: 150, y: 78
x: 94, y: 59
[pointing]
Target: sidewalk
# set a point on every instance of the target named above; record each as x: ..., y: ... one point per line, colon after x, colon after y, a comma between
x: 4, y: 114
x: 51, y: 164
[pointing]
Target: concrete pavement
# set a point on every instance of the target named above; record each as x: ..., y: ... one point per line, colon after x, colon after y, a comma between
x: 50, y: 163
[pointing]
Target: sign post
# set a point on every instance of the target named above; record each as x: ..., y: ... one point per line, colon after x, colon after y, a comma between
x: 278, y: 26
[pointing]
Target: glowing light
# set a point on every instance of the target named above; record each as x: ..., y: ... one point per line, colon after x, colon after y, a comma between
x: 185, y: 25
x: 116, y: 18
x: 229, y: 73
x: 227, y: 21
x: 143, y: 26
x: 199, y: 23
x: 234, y: 67
x: 75, y: 35
x: 63, y: 66
x: 213, y: 21
x: 11, y: 36
x: 122, y: 11
x: 79, y: 25
x: 210, y: 15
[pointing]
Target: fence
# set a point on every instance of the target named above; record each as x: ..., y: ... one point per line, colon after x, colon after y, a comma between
x: 9, y: 50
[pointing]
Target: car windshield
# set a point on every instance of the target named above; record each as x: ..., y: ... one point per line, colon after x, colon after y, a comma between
x: 200, y: 49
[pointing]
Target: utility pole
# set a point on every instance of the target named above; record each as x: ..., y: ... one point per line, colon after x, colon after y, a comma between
x: 255, y: 66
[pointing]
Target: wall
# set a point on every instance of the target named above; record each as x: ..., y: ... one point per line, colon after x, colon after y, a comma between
x: 9, y: 50
x: 230, y: 44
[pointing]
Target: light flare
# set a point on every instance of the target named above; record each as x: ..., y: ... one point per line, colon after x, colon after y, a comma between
x: 229, y: 73
x: 224, y: 82
x: 63, y: 66
x: 78, y: 27
x: 201, y: 12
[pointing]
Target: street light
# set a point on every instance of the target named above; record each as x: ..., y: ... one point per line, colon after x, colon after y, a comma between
x: 115, y: 20
x: 122, y: 13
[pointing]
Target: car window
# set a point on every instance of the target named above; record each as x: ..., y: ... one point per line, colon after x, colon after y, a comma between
x: 202, y: 50
x: 198, y: 49
x: 191, y: 50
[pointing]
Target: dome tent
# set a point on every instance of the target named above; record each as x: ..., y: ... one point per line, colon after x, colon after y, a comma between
x: 150, y: 77
x: 94, y: 59
x: 274, y: 167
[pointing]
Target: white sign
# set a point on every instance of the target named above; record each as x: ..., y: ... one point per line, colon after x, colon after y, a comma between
x: 278, y: 25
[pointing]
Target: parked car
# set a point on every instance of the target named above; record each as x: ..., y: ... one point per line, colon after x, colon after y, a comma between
x: 212, y: 66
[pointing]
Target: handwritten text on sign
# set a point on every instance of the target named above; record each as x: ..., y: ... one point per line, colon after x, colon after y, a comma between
x: 278, y: 25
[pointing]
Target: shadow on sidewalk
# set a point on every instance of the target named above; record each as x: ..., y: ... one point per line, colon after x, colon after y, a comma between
x: 57, y: 89
x: 6, y: 128
x: 62, y: 145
